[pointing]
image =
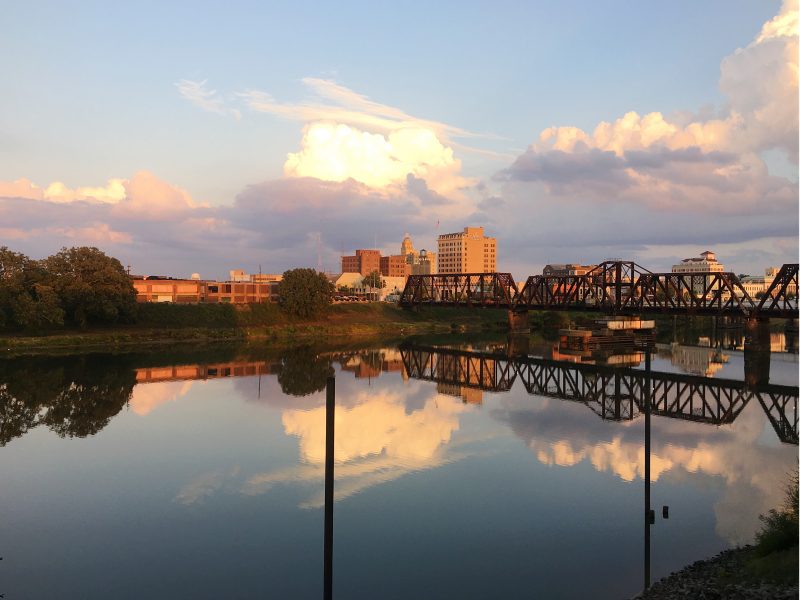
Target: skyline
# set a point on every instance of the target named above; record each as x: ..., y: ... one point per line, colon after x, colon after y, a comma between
x: 175, y: 149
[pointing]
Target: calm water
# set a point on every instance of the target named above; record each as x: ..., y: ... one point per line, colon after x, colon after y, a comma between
x: 200, y: 475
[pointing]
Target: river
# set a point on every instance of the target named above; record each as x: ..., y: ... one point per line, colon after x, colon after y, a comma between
x: 461, y: 473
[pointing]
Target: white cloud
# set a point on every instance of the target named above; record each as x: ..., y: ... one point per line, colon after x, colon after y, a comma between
x: 339, y: 104
x: 711, y: 165
x: 337, y: 152
x: 198, y: 94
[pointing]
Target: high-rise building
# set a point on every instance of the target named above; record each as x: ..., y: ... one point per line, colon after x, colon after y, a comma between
x: 469, y: 251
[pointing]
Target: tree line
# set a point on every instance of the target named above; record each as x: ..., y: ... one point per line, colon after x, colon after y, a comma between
x: 82, y: 286
x: 77, y: 286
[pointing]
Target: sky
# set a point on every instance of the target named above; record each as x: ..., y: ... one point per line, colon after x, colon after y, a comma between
x: 201, y: 137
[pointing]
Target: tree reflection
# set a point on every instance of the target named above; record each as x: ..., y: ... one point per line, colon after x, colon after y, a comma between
x: 303, y: 371
x: 73, y: 396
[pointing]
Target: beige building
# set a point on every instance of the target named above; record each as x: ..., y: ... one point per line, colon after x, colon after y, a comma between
x: 469, y: 251
x: 240, y: 276
x: 195, y: 291
x: 164, y: 289
x: 705, y: 263
x: 755, y: 285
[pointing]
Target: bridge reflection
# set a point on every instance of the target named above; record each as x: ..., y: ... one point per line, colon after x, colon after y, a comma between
x: 612, y: 393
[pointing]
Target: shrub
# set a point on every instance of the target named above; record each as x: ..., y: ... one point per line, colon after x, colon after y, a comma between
x: 779, y: 528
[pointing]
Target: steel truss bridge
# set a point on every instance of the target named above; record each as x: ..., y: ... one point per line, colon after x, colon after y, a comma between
x: 613, y: 287
x: 612, y: 393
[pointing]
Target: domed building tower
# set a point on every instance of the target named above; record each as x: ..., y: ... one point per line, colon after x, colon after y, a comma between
x: 407, y: 247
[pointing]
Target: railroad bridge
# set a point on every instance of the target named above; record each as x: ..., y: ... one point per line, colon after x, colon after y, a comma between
x: 613, y: 287
x: 612, y: 393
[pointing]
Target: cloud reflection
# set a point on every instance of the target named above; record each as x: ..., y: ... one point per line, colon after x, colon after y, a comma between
x: 377, y: 440
x: 753, y: 472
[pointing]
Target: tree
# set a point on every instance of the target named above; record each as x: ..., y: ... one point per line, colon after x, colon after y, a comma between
x: 305, y: 292
x: 93, y: 288
x: 26, y: 299
x: 374, y: 280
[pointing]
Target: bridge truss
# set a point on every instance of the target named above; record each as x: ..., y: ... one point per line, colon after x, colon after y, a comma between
x: 613, y: 287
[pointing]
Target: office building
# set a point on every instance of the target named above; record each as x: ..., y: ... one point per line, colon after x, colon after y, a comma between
x: 469, y: 251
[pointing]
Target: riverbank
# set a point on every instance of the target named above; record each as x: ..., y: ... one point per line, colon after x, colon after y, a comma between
x: 735, y: 574
x: 174, y: 325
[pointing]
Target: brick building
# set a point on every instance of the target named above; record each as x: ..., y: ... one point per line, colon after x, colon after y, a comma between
x: 364, y: 262
x: 395, y: 266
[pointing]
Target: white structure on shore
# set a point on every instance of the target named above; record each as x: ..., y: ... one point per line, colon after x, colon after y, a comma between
x: 705, y: 263
x: 696, y: 267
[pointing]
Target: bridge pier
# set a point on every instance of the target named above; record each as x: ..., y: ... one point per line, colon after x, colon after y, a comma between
x: 790, y: 332
x: 519, y: 339
x: 518, y: 321
x: 756, y: 351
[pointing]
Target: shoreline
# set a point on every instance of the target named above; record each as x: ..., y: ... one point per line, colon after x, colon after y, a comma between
x: 733, y: 573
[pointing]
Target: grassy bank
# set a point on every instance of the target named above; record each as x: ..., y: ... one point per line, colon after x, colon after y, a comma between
x: 173, y: 324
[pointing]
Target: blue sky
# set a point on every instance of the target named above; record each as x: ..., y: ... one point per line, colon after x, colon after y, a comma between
x: 91, y: 95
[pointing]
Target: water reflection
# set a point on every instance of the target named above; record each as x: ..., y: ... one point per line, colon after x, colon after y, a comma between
x: 469, y: 413
x: 611, y: 393
x: 72, y: 396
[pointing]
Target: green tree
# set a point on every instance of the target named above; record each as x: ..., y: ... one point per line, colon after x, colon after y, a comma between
x: 374, y: 280
x: 305, y: 292
x: 93, y: 288
x: 26, y: 300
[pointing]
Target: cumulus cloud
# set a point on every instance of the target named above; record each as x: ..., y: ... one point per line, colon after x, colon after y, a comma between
x: 337, y: 152
x: 347, y: 135
x: 112, y: 192
x: 707, y: 165
x: 209, y: 100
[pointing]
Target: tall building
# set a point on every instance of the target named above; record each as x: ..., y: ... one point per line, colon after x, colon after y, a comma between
x: 364, y: 262
x: 469, y: 251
